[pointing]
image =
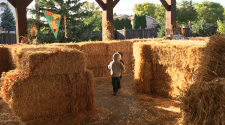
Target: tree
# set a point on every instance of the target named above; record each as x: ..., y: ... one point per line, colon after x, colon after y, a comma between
x: 134, y: 22
x: 122, y: 23
x: 145, y: 8
x: 94, y: 19
x: 116, y: 23
x: 201, y: 28
x: 162, y: 29
x: 186, y: 12
x: 210, y: 11
x: 160, y: 13
x: 138, y: 22
x: 114, y: 14
x: 144, y: 22
x: 77, y: 30
x: 221, y: 27
x: 128, y: 23
x: 8, y: 20
x: 224, y: 13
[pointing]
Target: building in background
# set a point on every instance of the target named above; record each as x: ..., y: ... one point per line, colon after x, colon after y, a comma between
x: 151, y: 22
x: 3, y: 3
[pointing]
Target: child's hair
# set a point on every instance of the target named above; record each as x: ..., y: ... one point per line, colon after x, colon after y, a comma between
x: 120, y: 54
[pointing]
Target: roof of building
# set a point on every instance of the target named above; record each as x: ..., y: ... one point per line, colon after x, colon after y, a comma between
x: 119, y: 16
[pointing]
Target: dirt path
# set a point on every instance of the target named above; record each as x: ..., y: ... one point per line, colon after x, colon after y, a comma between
x: 124, y: 109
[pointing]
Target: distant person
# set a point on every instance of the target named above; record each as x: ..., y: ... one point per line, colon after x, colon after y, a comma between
x: 116, y: 67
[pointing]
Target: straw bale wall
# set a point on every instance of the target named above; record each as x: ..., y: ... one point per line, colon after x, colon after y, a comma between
x: 202, y: 102
x: 48, y: 83
x: 162, y: 68
x: 99, y: 55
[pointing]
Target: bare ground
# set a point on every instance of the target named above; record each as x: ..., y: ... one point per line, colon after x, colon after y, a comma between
x: 126, y: 108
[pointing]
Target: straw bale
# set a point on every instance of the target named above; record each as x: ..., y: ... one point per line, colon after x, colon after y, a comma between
x: 83, y: 92
x: 143, y: 69
x: 122, y: 46
x: 6, y: 61
x: 36, y: 97
x: 69, y: 45
x: 94, y: 61
x: 40, y: 96
x: 203, y: 103
x: 213, y: 59
x: 94, y: 48
x: 67, y: 61
x: 6, y: 75
x: 100, y: 72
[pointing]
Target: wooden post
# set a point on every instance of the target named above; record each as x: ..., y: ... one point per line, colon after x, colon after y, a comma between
x: 170, y: 6
x: 21, y: 17
x: 107, y: 13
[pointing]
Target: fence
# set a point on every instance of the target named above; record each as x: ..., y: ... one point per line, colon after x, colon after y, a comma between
x: 149, y: 33
x: 189, y: 34
x: 7, y: 38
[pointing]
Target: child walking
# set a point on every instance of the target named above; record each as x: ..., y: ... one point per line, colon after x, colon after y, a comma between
x: 116, y: 67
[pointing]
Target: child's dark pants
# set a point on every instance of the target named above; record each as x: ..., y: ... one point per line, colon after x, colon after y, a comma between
x: 116, y: 84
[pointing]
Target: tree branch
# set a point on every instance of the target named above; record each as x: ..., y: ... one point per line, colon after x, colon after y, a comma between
x: 115, y: 2
x: 13, y: 2
x: 166, y: 5
x: 101, y: 4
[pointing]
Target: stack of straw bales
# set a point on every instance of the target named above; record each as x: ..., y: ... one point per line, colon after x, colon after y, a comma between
x: 48, y: 84
x: 203, y: 103
x: 162, y: 68
x: 99, y: 55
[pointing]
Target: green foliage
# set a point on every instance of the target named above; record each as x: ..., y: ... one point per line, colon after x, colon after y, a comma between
x: 135, y: 22
x: 139, y: 21
x: 145, y: 8
x: 210, y: 11
x: 143, y: 22
x: 8, y: 20
x: 94, y: 20
x: 224, y: 13
x: 221, y: 27
x: 129, y: 25
x: 79, y: 20
x: 201, y: 28
x: 186, y: 12
x: 160, y: 13
x: 162, y: 29
x: 120, y: 24
x: 116, y: 23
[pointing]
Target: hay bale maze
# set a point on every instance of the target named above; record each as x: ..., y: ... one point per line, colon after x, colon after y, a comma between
x: 48, y: 82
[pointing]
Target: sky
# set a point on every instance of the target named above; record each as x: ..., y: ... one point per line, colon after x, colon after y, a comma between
x: 126, y: 6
